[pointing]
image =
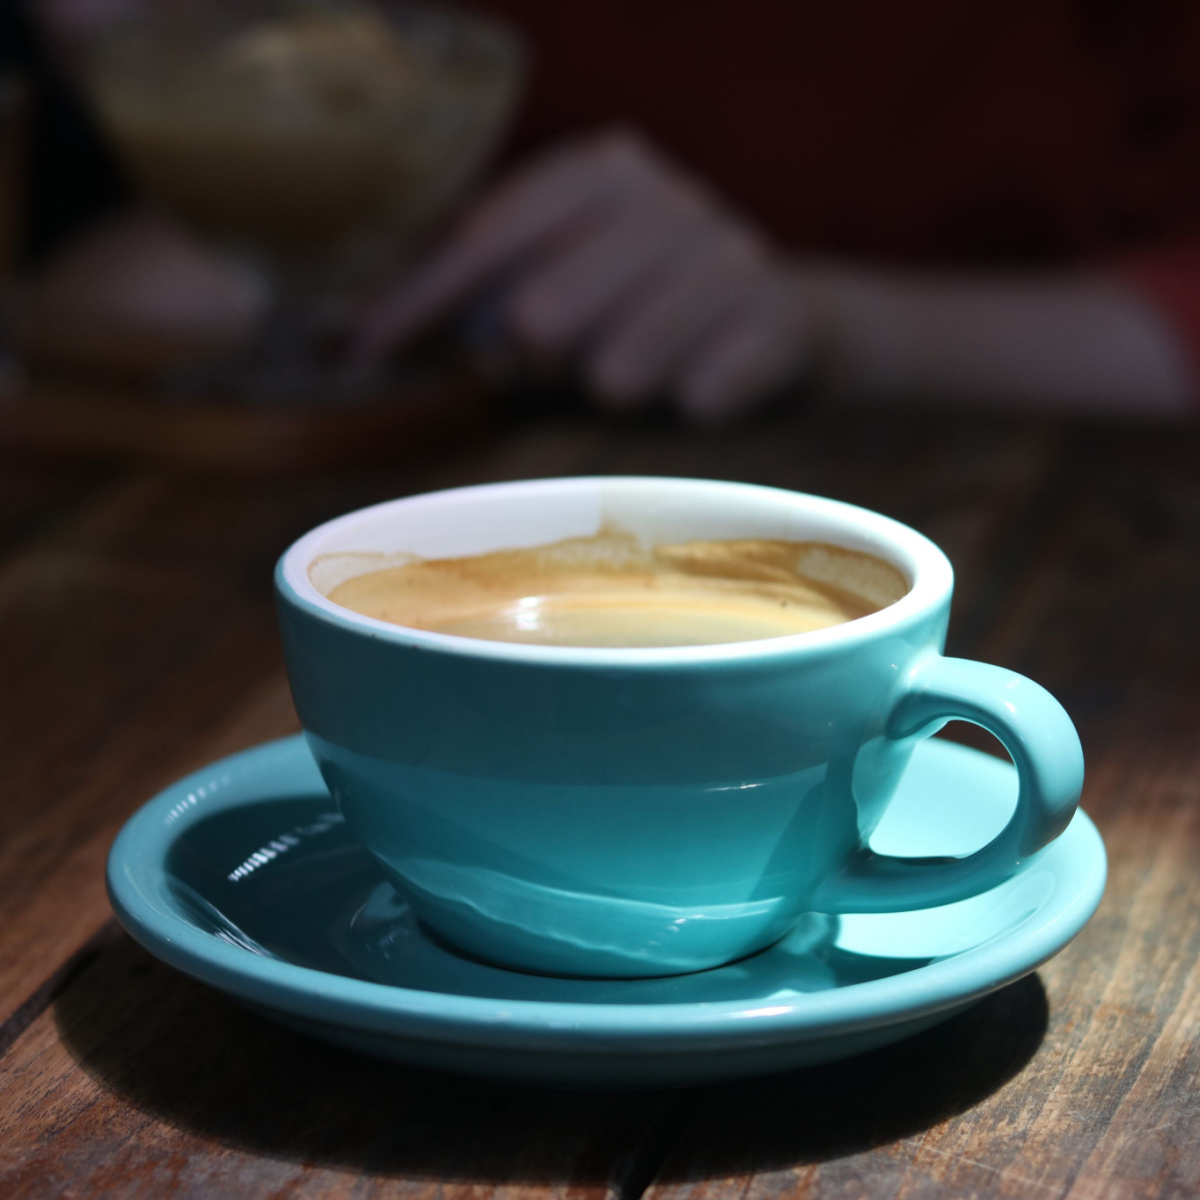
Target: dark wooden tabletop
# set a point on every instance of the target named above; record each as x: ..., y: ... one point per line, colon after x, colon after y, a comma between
x: 137, y: 642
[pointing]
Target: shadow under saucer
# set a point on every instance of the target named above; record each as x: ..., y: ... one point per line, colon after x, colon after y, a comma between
x: 205, y: 1068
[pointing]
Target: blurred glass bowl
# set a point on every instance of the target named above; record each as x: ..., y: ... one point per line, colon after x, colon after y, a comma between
x: 318, y: 141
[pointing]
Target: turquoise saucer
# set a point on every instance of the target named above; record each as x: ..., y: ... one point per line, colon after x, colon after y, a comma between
x: 244, y: 876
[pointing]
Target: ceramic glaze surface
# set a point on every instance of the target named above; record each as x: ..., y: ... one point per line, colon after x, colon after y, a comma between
x: 632, y: 813
x: 246, y: 876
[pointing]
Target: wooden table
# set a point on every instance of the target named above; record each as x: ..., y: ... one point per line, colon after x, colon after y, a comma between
x: 137, y: 641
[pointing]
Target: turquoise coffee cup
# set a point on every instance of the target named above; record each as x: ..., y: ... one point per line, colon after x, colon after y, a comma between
x: 636, y: 812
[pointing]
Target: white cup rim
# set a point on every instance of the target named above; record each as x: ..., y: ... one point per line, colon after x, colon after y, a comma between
x: 927, y: 568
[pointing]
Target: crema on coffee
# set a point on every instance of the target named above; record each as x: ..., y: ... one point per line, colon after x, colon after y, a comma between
x: 609, y: 590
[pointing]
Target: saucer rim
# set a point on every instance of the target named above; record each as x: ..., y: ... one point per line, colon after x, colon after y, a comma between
x: 135, y: 874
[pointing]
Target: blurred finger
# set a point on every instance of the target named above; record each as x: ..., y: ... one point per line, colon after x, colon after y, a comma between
x: 640, y: 354
x: 753, y: 356
x: 521, y: 216
x: 568, y: 296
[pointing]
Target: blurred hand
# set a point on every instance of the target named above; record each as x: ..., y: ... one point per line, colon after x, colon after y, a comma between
x: 606, y: 254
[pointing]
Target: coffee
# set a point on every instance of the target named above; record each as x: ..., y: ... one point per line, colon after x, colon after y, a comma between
x: 609, y: 590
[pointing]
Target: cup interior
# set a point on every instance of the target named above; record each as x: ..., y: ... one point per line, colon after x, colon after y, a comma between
x: 508, y: 516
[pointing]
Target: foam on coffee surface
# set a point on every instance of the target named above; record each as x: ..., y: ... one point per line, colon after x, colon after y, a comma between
x: 608, y: 590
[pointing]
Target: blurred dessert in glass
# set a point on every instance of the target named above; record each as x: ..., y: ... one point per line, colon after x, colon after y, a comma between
x: 315, y: 142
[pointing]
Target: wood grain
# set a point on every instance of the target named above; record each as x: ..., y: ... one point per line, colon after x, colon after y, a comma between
x: 73, y: 417
x: 137, y: 630
x: 145, y: 1081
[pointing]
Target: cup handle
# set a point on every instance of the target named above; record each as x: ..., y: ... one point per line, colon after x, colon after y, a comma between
x: 1035, y: 730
